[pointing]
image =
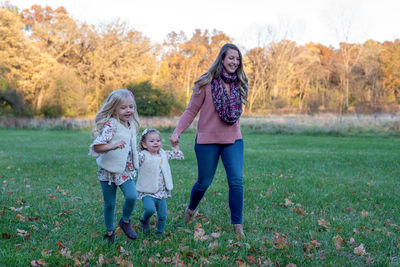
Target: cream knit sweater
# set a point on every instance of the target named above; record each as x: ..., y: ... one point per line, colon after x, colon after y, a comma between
x: 115, y: 160
x: 149, y: 171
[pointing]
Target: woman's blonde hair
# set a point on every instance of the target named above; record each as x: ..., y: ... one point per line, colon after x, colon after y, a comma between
x: 109, y: 109
x: 143, y: 137
x: 217, y: 67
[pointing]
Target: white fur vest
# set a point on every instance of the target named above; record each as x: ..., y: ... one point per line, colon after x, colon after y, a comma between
x: 149, y: 171
x: 115, y: 160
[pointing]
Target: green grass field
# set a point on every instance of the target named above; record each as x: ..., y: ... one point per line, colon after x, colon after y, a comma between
x: 309, y: 200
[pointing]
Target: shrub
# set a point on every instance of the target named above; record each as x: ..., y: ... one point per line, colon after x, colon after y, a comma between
x: 151, y: 101
x: 51, y: 111
x: 11, y: 101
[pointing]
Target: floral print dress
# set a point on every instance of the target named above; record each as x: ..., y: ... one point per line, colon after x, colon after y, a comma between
x: 104, y: 137
x: 162, y: 191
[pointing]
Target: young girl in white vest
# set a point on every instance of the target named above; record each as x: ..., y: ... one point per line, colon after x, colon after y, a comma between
x: 154, y: 183
x: 115, y: 129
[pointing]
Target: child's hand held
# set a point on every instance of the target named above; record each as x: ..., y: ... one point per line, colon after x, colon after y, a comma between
x: 174, y: 140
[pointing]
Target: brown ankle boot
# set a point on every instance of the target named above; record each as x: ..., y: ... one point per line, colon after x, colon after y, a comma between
x: 189, y: 215
x: 238, y: 228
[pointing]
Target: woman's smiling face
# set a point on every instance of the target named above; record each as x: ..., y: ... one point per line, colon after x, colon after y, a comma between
x: 231, y: 61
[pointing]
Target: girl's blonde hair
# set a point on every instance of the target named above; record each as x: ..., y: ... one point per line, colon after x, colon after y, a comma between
x: 143, y: 137
x: 216, y: 69
x: 109, y: 109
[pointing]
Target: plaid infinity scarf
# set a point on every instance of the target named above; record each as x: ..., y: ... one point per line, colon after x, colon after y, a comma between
x: 229, y: 108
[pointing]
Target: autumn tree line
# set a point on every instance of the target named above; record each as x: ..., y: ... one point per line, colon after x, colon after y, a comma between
x: 52, y: 65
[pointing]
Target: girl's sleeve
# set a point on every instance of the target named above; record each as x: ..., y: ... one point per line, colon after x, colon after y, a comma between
x: 175, y: 154
x: 104, y: 137
x: 141, y: 158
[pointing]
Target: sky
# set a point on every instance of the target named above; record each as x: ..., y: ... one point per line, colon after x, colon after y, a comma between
x: 249, y: 23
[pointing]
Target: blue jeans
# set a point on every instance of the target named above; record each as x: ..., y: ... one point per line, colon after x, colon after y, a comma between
x: 207, y: 161
x: 152, y: 204
x: 128, y: 188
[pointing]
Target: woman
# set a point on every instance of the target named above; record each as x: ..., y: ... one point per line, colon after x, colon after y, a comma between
x: 219, y: 95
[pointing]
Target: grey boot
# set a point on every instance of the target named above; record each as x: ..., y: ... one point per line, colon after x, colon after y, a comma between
x: 189, y: 215
x: 238, y: 228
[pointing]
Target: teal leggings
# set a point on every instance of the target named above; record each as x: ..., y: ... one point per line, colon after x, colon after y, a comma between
x: 128, y: 188
x: 150, y: 205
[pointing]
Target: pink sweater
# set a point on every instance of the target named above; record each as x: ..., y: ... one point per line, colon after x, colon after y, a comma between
x: 210, y: 128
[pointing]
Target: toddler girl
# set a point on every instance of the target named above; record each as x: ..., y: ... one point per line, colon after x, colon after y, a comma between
x: 115, y: 129
x: 154, y: 182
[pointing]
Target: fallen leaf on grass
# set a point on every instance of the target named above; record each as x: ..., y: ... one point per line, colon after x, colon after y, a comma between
x: 199, y: 234
x: 322, y: 255
x: 352, y: 241
x: 350, y: 210
x: 309, y: 247
x: 94, y: 234
x: 24, y: 233
x: 213, y: 244
x: 120, y: 249
x: 364, y: 213
x: 360, y: 250
x: 288, y: 202
x: 119, y: 261
x: 60, y: 245
x: 323, y: 223
x: 215, y: 235
x: 177, y: 260
x: 6, y: 236
x: 251, y: 259
x: 118, y: 231
x: 66, y: 253
x: 167, y: 260
x: 46, y: 253
x: 101, y: 260
x: 240, y: 263
x: 36, y: 263
x: 338, y: 242
x: 291, y: 265
x: 204, y: 262
x: 21, y: 218
x: 190, y: 254
x: 280, y: 241
x: 300, y: 212
x: 16, y: 209
x: 369, y: 260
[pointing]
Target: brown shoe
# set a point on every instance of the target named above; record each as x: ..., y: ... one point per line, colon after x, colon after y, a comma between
x: 238, y: 228
x: 189, y: 215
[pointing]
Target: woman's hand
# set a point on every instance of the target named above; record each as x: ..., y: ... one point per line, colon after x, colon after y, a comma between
x: 174, y: 140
